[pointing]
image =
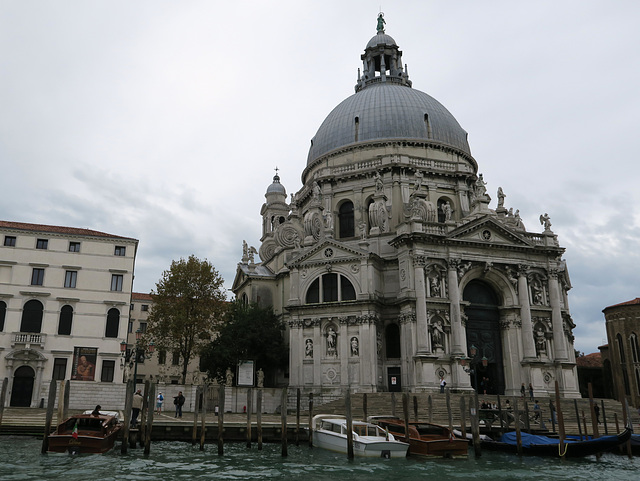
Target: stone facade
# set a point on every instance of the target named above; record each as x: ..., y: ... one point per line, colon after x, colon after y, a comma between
x: 64, y: 306
x: 389, y: 265
x: 621, y: 357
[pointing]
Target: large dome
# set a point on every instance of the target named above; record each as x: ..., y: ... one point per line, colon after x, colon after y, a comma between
x: 387, y: 111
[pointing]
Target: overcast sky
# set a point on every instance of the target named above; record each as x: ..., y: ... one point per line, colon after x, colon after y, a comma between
x: 164, y: 120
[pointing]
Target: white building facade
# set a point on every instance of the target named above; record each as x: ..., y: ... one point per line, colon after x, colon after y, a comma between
x: 64, y: 306
x: 390, y: 267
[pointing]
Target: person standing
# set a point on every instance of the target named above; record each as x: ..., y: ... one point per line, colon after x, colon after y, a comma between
x: 159, y: 401
x: 136, y: 406
x: 443, y: 383
x: 522, y: 391
x: 530, y: 392
x: 179, y: 401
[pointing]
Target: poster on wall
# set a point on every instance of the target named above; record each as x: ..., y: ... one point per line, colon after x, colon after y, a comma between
x: 245, y: 373
x: 84, y: 363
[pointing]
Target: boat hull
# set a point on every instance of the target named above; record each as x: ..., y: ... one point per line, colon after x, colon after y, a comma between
x: 362, y: 448
x: 62, y: 443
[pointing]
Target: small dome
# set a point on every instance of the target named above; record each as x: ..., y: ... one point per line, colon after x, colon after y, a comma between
x: 276, y: 187
x: 381, y: 39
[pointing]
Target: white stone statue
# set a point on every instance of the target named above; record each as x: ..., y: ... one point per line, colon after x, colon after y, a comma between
x: 229, y: 376
x: 437, y: 333
x: 252, y: 253
x: 379, y: 184
x: 245, y: 252
x: 546, y: 221
x: 501, y: 197
x: 541, y: 342
x: 434, y: 283
x: 481, y: 188
x: 446, y: 208
x: 260, y: 378
x: 328, y: 219
x: 308, y: 348
x: 418, y: 180
x: 315, y: 190
x: 331, y: 341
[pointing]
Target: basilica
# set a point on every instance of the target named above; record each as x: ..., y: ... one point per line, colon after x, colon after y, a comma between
x: 390, y: 267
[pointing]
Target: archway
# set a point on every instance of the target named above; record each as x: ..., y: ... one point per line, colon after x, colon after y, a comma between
x: 483, y: 332
x: 22, y: 390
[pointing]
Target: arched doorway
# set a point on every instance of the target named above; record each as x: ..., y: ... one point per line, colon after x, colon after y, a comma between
x: 483, y: 332
x: 22, y: 390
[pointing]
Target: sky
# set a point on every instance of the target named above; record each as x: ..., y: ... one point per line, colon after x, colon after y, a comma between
x: 164, y: 120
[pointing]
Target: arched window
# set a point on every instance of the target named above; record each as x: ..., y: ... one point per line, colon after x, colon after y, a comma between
x: 345, y: 220
x: 66, y: 318
x: 635, y: 352
x: 621, y: 349
x: 392, y: 338
x: 330, y: 287
x: 32, y: 316
x: 113, y: 323
x: 3, y: 313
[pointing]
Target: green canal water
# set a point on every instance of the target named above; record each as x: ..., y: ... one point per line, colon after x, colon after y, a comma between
x: 20, y: 459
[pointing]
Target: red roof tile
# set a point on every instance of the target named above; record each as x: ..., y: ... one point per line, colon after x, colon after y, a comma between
x: 140, y: 296
x: 54, y: 229
x: 634, y: 302
x: 590, y: 360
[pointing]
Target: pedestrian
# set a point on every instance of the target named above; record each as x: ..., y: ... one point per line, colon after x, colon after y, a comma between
x: 443, y: 383
x: 178, y: 401
x: 536, y: 410
x: 96, y: 411
x: 522, y: 390
x: 530, y: 392
x: 596, y: 409
x: 159, y: 401
x: 554, y: 418
x: 136, y: 405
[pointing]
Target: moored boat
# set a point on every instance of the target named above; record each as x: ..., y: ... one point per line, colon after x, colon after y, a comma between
x: 425, y: 439
x: 369, y: 440
x: 546, y: 446
x: 86, y: 433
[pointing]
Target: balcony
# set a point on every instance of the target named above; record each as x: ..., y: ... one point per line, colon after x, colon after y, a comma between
x: 28, y: 340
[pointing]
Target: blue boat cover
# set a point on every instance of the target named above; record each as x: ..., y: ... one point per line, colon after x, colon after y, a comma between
x: 529, y: 439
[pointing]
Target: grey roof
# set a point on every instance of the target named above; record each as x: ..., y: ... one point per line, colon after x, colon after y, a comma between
x: 387, y: 111
x: 276, y: 186
x: 381, y: 38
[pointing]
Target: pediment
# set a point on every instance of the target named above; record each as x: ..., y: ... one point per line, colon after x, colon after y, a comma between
x: 487, y: 230
x: 328, y: 251
x: 245, y: 272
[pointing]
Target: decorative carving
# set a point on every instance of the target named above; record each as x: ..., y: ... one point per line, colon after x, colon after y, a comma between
x: 422, y: 210
x: 462, y: 270
x: 313, y: 225
x: 420, y: 261
x: 541, y: 341
x: 511, y: 275
x: 418, y: 180
x: 328, y: 220
x: 504, y: 323
x: 403, y: 274
x: 501, y: 196
x: 328, y: 252
x: 332, y: 342
x: 545, y: 220
x: 437, y: 334
x: 267, y: 250
x: 286, y: 235
x: 406, y: 317
x: 379, y: 342
x: 355, y: 348
x: 308, y: 348
x: 379, y: 184
x: 355, y: 268
x: 447, y: 210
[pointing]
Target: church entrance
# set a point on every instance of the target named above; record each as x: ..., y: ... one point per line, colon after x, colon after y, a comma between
x: 483, y: 332
x: 22, y: 390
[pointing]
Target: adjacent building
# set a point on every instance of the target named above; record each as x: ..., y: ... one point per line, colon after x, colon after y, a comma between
x: 390, y: 267
x: 64, y: 306
x: 621, y: 356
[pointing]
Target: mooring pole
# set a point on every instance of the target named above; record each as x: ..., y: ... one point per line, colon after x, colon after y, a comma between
x: 311, y: 419
x: 475, y: 426
x: 393, y: 404
x: 604, y: 418
x: 283, y: 421
x: 67, y: 392
x: 347, y: 402
x: 259, y: 417
x: 249, y: 402
x: 221, y: 420
x: 592, y: 408
x: 194, y: 430
x: 516, y: 415
x: 575, y: 404
x: 49, y: 418
x: 150, y: 413
x: 463, y: 417
x: 61, y: 403
x: 449, y: 413
x: 430, y: 408
x: 561, y: 432
x: 3, y: 396
x: 203, y: 418
x: 415, y: 408
x: 298, y: 417
x: 405, y: 411
x: 364, y: 406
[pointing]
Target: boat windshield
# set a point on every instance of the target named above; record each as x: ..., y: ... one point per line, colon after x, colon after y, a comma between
x: 367, y: 430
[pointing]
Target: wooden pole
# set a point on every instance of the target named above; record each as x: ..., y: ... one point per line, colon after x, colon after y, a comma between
x: 347, y: 402
x: 364, y: 406
x: 67, y: 392
x: 259, y: 418
x: 449, y: 413
x: 194, y: 430
x: 463, y: 417
x: 415, y: 408
x: 592, y: 408
x: 430, y: 408
x: 475, y: 426
x: 500, y: 413
x: 604, y: 418
x: 49, y: 418
x: 203, y: 418
x: 221, y: 420
x: 127, y: 415
x: 405, y: 411
x: 627, y: 423
x: 584, y: 422
x: 527, y: 421
x: 575, y: 405
x: 249, y: 402
x: 311, y: 418
x: 561, y: 432
x: 393, y: 404
x: 150, y: 412
x: 298, y: 417
x: 283, y: 422
x: 615, y: 417
x: 516, y: 416
x: 3, y: 396
x: 146, y: 402
x: 554, y: 415
x: 60, y: 404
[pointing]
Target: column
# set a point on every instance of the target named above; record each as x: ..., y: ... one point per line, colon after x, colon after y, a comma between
x: 296, y: 367
x: 37, y: 385
x: 421, y: 306
x: 528, y: 342
x: 343, y: 352
x: 458, y: 337
x: 559, y: 344
x: 318, y: 353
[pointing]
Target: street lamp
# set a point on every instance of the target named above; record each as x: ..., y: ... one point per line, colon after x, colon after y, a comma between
x: 474, y: 361
x: 137, y: 351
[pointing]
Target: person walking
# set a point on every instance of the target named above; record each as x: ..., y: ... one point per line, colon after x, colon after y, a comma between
x: 178, y: 401
x: 159, y: 401
x: 522, y: 390
x: 136, y: 406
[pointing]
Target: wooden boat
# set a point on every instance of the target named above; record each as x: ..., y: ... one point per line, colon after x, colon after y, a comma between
x: 425, y: 439
x: 546, y: 446
x: 86, y: 433
x: 369, y: 440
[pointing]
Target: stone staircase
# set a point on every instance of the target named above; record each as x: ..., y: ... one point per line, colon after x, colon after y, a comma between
x: 383, y: 404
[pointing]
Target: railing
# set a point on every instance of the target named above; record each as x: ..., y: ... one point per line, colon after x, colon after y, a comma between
x: 28, y: 338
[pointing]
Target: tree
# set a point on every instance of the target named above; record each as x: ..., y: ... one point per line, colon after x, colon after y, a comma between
x: 188, y: 303
x: 249, y: 332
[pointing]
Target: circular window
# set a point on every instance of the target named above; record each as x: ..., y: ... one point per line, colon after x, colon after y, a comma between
x: 328, y: 252
x: 486, y: 235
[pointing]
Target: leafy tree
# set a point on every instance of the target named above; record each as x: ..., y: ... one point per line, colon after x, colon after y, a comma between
x: 250, y: 332
x: 188, y: 303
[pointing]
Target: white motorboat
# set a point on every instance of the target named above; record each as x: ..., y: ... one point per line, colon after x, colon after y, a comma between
x: 369, y: 440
